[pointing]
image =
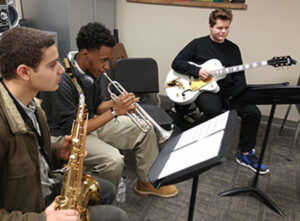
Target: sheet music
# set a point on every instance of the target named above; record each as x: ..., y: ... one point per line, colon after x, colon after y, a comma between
x: 192, y: 154
x: 205, y: 129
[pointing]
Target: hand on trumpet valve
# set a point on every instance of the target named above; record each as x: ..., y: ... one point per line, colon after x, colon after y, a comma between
x: 125, y: 103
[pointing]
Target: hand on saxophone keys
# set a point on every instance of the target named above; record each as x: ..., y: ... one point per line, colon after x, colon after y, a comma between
x: 65, y: 148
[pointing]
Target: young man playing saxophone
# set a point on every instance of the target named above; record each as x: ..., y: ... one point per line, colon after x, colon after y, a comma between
x: 29, y: 64
x: 108, y: 128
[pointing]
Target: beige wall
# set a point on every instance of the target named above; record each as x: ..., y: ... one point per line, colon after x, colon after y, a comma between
x: 18, y: 5
x: 266, y: 29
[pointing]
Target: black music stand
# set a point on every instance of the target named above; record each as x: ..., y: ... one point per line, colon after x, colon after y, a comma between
x: 263, y: 94
x: 193, y: 171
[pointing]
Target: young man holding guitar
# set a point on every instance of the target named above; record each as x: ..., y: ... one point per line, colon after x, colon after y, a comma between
x: 216, y: 46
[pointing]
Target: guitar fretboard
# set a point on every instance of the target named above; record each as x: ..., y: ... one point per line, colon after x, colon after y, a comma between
x: 238, y: 68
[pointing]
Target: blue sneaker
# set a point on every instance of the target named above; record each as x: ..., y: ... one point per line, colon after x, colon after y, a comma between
x: 251, y: 162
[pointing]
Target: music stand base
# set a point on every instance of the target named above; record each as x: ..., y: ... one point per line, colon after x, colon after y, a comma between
x: 256, y: 193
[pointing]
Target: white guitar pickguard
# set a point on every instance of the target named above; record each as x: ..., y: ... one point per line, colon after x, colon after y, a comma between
x: 176, y: 93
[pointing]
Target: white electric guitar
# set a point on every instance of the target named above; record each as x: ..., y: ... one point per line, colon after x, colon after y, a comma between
x: 184, y: 89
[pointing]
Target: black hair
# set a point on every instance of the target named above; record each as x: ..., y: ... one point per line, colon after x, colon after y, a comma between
x: 93, y: 36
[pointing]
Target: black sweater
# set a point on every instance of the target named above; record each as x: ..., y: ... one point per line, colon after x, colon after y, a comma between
x: 61, y: 106
x: 201, y: 50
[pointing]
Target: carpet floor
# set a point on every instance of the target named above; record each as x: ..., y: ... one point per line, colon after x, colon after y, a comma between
x: 282, y: 185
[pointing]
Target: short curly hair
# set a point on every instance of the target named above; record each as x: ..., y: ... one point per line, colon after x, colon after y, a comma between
x: 223, y: 14
x: 22, y: 45
x: 93, y: 36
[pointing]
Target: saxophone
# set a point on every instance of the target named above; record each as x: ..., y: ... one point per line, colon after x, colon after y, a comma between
x: 78, y: 190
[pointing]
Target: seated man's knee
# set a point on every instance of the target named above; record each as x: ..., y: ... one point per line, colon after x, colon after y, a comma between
x: 250, y: 113
x: 210, y: 104
x: 212, y: 112
x: 108, y: 192
x: 117, y: 163
x: 215, y: 112
x: 120, y: 215
x: 107, y: 212
x: 255, y: 114
x: 258, y: 113
x: 111, y: 163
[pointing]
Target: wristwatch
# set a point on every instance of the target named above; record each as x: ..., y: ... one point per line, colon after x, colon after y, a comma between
x: 113, y: 113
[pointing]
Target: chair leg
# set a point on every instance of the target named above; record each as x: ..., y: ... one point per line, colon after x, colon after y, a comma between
x: 294, y: 140
x: 158, y: 99
x: 285, y: 118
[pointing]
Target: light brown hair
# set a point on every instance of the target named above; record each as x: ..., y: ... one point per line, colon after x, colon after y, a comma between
x: 223, y: 14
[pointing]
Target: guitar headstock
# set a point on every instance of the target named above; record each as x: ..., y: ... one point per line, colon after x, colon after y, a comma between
x: 280, y: 61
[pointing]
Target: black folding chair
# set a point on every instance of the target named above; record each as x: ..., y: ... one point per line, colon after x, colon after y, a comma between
x: 140, y: 76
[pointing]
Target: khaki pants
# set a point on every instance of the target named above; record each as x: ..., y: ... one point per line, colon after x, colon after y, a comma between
x: 103, y: 157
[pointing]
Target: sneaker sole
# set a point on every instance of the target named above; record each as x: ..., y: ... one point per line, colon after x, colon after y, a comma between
x: 251, y: 168
x: 146, y: 193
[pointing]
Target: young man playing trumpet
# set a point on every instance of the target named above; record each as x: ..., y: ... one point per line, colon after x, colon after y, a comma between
x: 108, y: 128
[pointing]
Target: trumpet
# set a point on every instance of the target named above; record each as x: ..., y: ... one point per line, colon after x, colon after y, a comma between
x: 141, y: 118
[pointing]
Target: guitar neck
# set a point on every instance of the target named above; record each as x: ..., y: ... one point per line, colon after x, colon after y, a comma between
x: 238, y: 68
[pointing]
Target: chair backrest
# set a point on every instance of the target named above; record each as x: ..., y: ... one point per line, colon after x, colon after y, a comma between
x: 119, y: 52
x: 138, y: 75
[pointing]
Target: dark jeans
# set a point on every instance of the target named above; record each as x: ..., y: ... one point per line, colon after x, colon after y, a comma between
x: 103, y: 211
x: 213, y: 104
